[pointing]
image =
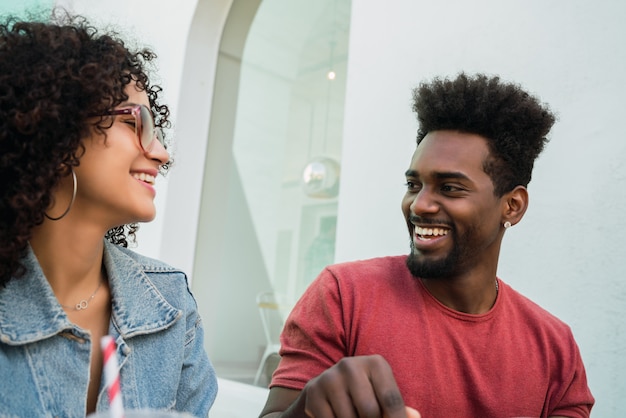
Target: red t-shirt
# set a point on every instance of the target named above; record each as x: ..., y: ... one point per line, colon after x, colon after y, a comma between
x: 517, y: 360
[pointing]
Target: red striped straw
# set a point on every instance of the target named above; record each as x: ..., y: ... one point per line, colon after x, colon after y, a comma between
x: 112, y: 377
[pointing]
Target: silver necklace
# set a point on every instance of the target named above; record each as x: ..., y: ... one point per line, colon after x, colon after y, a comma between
x: 84, y: 303
x: 496, y: 287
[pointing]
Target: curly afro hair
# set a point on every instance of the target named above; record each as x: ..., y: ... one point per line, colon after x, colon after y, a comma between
x: 55, y: 73
x: 514, y: 123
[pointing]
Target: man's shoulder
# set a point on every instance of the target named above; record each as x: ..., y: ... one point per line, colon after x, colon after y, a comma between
x: 374, y: 272
x: 387, y: 265
x: 533, y: 313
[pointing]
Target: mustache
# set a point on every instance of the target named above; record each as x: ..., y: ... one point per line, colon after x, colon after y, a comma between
x: 428, y: 221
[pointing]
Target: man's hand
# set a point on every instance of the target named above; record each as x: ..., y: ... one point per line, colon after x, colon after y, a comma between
x: 355, y: 387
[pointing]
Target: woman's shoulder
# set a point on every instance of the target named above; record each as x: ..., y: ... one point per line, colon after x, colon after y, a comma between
x: 134, y: 273
x: 126, y: 259
x: 124, y: 254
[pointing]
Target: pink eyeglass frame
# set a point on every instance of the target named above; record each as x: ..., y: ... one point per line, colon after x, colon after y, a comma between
x: 139, y: 112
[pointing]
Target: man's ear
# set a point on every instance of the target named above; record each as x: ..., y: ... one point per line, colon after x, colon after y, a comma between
x: 514, y: 205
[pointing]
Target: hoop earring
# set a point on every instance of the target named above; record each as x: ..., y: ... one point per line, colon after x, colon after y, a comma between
x: 71, y: 201
x: 507, y: 225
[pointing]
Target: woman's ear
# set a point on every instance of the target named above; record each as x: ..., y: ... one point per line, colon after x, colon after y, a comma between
x: 515, y: 204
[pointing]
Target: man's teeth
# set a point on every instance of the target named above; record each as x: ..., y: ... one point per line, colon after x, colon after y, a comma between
x: 430, y: 231
x: 146, y: 178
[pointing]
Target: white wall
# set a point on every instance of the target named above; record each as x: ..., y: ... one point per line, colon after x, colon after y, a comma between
x: 568, y: 253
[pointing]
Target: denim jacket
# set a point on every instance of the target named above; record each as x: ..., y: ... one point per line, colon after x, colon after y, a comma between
x: 44, y: 358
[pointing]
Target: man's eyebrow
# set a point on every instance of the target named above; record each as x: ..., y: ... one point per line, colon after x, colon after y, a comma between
x: 439, y: 175
x: 451, y: 175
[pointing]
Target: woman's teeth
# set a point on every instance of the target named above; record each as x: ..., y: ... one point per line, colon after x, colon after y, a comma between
x: 146, y: 178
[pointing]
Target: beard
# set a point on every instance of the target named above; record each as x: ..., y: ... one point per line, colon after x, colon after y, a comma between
x: 463, y: 254
x: 420, y: 267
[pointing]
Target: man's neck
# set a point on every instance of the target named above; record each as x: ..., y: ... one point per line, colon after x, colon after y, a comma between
x: 464, y: 296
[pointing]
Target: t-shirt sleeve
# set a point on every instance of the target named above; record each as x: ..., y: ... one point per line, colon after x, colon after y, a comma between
x: 574, y: 397
x: 314, y: 337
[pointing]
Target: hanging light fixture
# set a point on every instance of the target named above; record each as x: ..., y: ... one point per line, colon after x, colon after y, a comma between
x: 320, y: 177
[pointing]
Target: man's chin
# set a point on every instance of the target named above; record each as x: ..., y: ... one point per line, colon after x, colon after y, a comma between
x: 428, y: 269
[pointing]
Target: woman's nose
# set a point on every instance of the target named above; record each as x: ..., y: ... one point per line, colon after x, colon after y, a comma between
x: 158, y: 153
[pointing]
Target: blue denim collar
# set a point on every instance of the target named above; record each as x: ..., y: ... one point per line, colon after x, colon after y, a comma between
x: 30, y: 312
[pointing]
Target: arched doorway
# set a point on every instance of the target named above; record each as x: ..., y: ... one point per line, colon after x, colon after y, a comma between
x: 270, y: 186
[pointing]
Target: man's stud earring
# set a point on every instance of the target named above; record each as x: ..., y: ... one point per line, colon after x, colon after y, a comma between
x: 507, y: 225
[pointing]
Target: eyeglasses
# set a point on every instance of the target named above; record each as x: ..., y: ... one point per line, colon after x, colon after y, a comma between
x: 144, y: 125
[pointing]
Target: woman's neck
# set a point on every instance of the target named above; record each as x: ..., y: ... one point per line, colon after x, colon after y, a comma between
x: 70, y: 257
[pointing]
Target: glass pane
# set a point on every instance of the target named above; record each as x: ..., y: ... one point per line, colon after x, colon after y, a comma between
x: 290, y: 119
x: 271, y: 186
x: 22, y: 7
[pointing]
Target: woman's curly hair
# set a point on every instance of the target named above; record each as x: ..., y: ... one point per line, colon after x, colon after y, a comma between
x: 55, y: 74
x: 514, y: 123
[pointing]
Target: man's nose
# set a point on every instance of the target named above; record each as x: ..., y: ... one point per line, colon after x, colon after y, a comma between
x: 424, y: 201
